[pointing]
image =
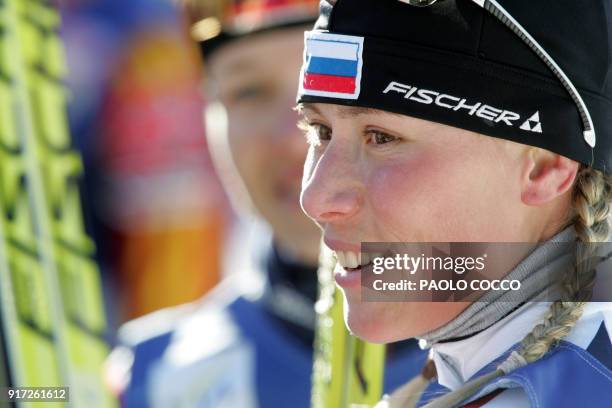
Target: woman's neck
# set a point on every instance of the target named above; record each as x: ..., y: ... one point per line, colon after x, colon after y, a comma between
x: 542, y: 270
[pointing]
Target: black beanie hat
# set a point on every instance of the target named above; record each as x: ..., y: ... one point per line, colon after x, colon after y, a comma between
x: 223, y: 21
x: 531, y: 71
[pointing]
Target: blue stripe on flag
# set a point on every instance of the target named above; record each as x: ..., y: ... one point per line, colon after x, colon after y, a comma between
x: 332, y: 66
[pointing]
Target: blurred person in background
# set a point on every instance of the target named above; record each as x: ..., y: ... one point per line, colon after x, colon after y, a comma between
x: 249, y: 342
x: 156, y: 205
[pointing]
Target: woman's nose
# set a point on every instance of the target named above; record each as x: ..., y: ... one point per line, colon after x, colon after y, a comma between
x: 332, y: 191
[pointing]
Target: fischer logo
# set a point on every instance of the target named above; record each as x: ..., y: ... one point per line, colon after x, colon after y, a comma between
x: 479, y: 109
x: 533, y: 124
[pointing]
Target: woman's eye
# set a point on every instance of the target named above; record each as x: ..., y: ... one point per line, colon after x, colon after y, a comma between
x: 380, y: 138
x: 251, y: 93
x: 322, y: 131
x: 315, y: 133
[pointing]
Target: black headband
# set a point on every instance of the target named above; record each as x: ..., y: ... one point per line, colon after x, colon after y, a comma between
x: 454, y: 63
x: 209, y: 46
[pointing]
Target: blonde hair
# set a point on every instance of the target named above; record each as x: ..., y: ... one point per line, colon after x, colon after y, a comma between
x: 592, y: 199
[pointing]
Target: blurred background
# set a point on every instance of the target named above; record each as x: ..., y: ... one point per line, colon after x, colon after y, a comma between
x: 157, y: 212
x: 162, y: 295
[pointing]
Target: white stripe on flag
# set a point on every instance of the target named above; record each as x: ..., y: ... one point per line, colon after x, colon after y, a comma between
x: 332, y: 49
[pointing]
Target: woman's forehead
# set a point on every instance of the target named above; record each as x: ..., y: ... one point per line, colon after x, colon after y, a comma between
x: 390, y: 119
x: 258, y: 50
x: 398, y: 122
x: 342, y: 111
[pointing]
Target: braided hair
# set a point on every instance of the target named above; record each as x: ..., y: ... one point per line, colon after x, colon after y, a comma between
x: 591, y: 214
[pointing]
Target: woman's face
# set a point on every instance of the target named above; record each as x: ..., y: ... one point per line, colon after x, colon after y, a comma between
x: 372, y: 176
x: 256, y: 79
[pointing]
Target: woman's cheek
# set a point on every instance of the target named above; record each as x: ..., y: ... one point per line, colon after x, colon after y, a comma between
x: 400, y: 196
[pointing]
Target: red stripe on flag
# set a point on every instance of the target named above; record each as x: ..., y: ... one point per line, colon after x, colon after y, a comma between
x: 329, y: 83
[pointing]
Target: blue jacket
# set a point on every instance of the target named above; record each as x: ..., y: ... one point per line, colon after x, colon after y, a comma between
x: 233, y: 355
x: 567, y: 377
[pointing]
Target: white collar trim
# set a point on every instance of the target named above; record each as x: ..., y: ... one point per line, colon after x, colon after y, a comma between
x: 458, y: 361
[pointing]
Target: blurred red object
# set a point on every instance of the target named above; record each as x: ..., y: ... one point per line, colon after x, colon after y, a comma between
x: 161, y: 195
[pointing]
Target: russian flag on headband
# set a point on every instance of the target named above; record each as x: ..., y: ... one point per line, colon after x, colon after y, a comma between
x: 332, y: 65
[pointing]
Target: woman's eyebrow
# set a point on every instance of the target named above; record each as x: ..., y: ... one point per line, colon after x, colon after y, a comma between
x: 343, y: 111
x: 238, y: 67
x: 350, y: 111
x: 302, y: 107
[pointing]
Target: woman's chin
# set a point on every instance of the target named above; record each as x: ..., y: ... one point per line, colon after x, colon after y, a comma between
x: 369, y: 322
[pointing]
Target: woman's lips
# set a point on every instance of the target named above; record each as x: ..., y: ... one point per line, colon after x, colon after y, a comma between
x: 351, y: 261
x: 347, y: 277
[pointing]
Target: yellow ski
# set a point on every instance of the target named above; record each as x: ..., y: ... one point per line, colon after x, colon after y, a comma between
x: 50, y: 294
x: 348, y: 372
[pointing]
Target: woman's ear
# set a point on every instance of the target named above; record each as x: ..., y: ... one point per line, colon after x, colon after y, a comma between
x: 546, y: 176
